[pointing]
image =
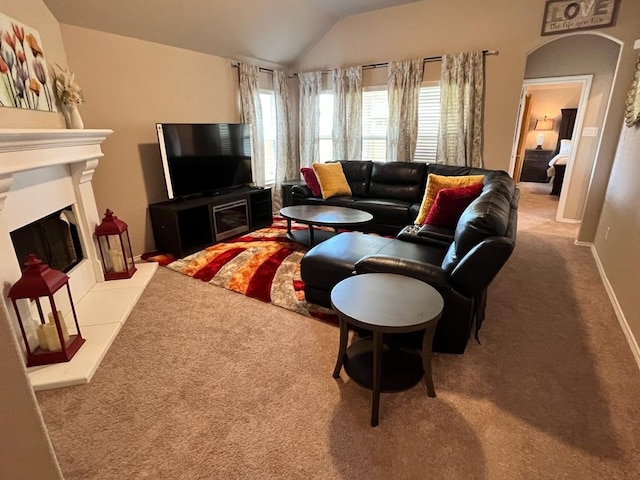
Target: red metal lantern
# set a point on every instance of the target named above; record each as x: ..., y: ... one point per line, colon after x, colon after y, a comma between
x: 115, y: 248
x: 55, y: 344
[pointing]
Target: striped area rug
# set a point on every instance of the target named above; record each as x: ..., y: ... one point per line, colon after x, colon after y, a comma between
x: 263, y: 264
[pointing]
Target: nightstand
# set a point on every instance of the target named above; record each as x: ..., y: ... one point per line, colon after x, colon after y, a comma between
x: 535, y: 165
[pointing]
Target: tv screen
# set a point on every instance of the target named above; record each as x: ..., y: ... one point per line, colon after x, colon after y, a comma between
x: 204, y: 158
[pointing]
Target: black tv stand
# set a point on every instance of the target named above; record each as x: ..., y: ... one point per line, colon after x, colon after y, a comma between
x: 186, y: 225
x: 226, y: 190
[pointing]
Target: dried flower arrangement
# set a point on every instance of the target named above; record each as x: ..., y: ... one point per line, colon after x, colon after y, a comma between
x: 67, y: 90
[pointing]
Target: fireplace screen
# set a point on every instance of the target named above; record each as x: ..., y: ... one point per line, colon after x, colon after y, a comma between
x: 54, y: 239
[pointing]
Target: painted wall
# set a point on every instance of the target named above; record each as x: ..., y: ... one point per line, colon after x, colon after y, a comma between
x: 26, y: 451
x: 434, y: 28
x: 129, y: 87
x: 616, y: 241
x: 36, y: 15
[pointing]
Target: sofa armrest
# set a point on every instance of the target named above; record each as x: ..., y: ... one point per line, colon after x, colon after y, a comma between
x: 426, y: 235
x: 431, y: 274
x: 301, y: 191
x: 481, y: 264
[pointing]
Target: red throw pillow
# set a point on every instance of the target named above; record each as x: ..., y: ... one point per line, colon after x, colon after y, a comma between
x: 311, y: 180
x: 450, y: 203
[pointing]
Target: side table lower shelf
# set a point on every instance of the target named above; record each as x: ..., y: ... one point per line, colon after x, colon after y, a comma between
x: 401, y: 366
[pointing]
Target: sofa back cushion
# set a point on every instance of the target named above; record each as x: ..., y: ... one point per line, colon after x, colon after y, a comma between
x: 397, y: 181
x: 455, y: 170
x: 358, y: 174
x: 487, y: 216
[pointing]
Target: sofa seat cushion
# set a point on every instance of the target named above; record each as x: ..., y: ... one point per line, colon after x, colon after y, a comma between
x: 385, y: 211
x: 341, y: 201
x: 333, y: 260
x: 314, y: 201
x: 414, y: 251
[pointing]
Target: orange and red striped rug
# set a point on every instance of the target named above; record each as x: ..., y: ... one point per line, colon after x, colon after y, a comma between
x: 263, y: 264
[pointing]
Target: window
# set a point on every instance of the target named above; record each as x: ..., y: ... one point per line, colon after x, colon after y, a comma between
x: 269, y: 128
x: 428, y: 123
x: 326, y: 127
x: 375, y: 117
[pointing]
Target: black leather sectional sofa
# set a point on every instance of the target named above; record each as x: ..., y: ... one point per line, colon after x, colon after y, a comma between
x: 459, y: 263
x: 391, y: 191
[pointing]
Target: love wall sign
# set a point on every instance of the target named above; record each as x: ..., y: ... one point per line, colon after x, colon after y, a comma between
x: 568, y: 15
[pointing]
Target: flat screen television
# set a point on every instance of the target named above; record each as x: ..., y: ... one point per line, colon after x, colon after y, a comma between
x: 204, y: 158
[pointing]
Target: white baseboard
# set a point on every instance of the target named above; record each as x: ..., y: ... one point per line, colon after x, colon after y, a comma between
x: 633, y: 343
x: 567, y: 220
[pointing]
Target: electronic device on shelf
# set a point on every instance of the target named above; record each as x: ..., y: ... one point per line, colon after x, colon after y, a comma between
x: 205, y: 158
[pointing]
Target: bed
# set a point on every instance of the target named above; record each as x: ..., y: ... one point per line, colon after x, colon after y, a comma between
x: 557, y: 166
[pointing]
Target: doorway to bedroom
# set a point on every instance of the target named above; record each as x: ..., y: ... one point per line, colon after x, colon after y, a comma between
x: 548, y: 134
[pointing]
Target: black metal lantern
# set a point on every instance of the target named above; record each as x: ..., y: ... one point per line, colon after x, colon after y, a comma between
x: 55, y: 343
x: 115, y: 248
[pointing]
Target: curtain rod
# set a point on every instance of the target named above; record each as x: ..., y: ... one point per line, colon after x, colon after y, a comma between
x: 373, y: 65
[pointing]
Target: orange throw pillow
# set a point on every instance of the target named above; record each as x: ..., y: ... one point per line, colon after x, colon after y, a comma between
x: 331, y: 179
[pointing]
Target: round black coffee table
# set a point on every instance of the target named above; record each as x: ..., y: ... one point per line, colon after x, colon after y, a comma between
x: 322, y: 216
x: 386, y: 303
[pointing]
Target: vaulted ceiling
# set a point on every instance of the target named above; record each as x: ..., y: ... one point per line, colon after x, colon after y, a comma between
x: 271, y: 31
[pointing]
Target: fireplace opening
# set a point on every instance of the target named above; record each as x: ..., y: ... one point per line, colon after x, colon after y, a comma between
x: 54, y: 239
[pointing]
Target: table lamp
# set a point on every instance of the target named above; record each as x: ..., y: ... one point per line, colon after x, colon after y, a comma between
x: 541, y: 125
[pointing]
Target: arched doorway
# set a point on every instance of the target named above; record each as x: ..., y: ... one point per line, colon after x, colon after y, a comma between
x: 574, y: 55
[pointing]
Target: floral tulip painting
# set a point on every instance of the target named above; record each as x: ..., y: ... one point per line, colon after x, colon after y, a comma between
x: 25, y: 80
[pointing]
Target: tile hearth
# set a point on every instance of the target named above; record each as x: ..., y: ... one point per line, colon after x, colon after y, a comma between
x: 101, y: 314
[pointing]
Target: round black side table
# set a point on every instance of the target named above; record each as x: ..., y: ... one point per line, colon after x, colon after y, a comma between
x: 386, y: 303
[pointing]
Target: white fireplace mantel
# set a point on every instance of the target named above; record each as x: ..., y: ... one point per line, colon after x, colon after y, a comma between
x: 42, y: 172
x: 30, y: 149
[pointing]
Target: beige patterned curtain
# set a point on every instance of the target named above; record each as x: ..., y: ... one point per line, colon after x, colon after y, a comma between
x: 347, y: 113
x: 287, y: 164
x: 403, y: 81
x: 461, y: 109
x: 251, y: 112
x: 310, y: 85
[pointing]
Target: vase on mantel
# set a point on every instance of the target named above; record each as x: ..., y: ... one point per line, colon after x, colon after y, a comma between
x: 72, y: 117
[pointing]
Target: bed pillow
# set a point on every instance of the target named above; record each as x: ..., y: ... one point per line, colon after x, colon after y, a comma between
x: 435, y: 183
x: 331, y: 179
x: 311, y: 180
x: 450, y: 203
x: 565, y: 147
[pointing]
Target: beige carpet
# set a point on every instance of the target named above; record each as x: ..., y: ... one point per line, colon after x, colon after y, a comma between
x: 204, y: 383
